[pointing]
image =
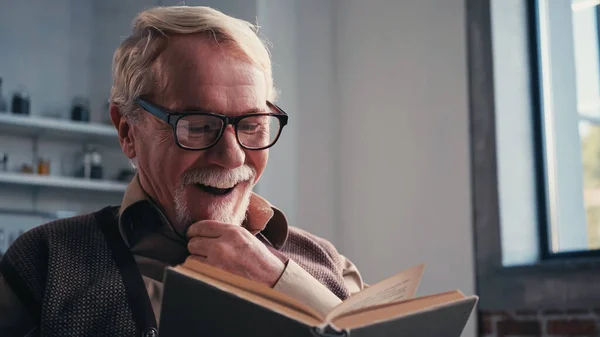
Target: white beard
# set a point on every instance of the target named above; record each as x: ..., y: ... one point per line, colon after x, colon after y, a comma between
x: 225, y: 212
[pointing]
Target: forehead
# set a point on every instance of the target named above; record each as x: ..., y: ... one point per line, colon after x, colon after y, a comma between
x: 195, y: 72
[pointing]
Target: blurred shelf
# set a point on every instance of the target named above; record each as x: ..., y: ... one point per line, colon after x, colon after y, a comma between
x: 35, y: 213
x: 33, y: 180
x: 49, y: 128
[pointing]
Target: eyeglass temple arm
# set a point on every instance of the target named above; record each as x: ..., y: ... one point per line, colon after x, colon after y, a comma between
x: 283, y: 120
x: 154, y: 111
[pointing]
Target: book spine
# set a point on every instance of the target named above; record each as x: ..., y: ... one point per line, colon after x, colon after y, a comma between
x: 328, y: 331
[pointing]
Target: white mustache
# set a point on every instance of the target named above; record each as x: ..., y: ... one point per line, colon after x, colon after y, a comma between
x: 219, y: 178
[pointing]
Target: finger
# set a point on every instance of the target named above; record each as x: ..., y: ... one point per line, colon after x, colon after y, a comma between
x: 201, y: 246
x: 200, y: 258
x: 208, y: 228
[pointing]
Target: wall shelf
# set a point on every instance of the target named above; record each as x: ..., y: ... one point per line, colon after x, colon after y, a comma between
x: 32, y: 180
x: 50, y: 128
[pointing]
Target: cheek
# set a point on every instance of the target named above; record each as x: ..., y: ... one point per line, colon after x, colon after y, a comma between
x: 258, y: 160
x: 153, y: 145
x: 159, y: 155
x: 174, y: 161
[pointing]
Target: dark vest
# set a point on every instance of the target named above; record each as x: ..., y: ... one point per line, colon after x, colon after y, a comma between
x: 77, y: 277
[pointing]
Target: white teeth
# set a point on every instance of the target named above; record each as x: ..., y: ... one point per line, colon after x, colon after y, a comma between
x: 220, y: 185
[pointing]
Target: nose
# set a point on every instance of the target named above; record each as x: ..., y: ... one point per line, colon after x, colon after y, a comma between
x: 227, y: 153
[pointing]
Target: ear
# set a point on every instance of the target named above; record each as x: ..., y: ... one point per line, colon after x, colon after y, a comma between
x: 124, y: 131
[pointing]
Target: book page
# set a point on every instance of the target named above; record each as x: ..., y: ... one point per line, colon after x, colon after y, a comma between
x: 400, y: 287
x: 368, y: 316
x: 249, y: 286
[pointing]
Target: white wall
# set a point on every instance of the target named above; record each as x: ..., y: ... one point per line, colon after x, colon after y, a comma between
x: 405, y: 166
x: 318, y: 120
x: 111, y: 23
x: 280, y: 180
x: 378, y: 97
x: 38, y: 56
x: 302, y: 176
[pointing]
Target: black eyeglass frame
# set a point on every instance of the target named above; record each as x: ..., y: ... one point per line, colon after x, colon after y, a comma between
x: 172, y: 118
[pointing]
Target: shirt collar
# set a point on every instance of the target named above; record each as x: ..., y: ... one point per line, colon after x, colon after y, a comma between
x: 262, y: 218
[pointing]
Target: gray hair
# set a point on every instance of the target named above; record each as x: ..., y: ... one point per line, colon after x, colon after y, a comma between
x: 133, y: 73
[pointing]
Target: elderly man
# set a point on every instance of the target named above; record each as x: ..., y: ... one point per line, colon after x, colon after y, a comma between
x: 192, y: 100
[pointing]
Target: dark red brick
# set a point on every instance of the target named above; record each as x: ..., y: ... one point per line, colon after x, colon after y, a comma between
x: 578, y: 312
x: 499, y: 314
x: 526, y: 312
x: 572, y: 327
x: 553, y: 312
x: 485, y: 325
x: 511, y: 327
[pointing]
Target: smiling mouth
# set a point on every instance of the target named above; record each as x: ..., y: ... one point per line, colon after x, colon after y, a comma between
x: 215, y: 190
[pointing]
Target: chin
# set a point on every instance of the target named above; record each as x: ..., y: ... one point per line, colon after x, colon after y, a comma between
x: 226, y: 213
x: 228, y: 208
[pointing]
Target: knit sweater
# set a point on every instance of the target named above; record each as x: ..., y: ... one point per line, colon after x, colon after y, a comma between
x: 77, y: 277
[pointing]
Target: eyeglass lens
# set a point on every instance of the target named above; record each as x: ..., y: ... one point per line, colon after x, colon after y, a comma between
x: 200, y: 131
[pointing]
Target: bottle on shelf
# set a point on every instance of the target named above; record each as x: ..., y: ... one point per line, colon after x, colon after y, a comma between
x: 21, y: 102
x: 43, y: 168
x: 3, y: 104
x: 80, y: 111
x: 2, y: 241
x: 96, y: 167
x: 3, y: 162
x: 90, y: 163
x: 11, y: 238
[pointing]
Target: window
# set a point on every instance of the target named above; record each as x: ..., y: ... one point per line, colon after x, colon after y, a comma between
x: 567, y: 123
x: 523, y: 87
x: 525, y: 131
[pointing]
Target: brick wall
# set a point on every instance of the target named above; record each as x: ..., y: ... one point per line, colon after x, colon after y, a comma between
x: 542, y: 323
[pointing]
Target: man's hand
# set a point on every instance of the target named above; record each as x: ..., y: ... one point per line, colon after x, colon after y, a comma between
x: 233, y: 249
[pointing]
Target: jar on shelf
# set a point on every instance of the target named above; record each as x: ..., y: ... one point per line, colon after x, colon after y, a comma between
x: 43, y: 167
x: 90, y: 163
x: 26, y: 168
x: 96, y: 167
x: 3, y: 246
x: 3, y: 162
x: 80, y: 111
x: 21, y: 103
x: 3, y: 103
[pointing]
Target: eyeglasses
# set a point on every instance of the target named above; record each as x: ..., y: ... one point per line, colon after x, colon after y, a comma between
x: 202, y: 130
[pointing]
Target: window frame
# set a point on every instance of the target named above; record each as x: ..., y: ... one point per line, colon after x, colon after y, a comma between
x: 566, y: 283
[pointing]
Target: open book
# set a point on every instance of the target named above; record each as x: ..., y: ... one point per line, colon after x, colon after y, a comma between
x: 200, y: 300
